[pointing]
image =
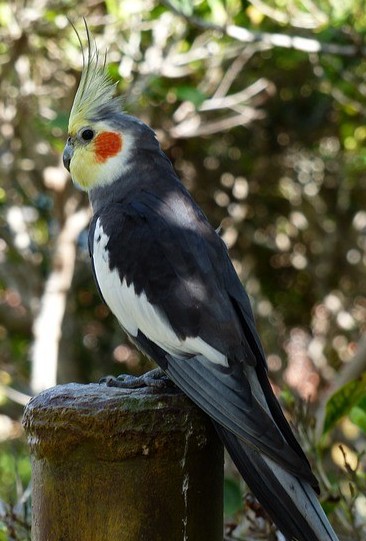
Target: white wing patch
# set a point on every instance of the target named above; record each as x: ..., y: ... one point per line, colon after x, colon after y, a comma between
x: 134, y: 312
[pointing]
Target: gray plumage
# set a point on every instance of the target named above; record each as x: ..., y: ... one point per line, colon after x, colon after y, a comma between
x: 167, y: 277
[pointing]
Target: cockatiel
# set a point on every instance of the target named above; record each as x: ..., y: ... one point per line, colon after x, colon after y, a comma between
x: 166, y: 275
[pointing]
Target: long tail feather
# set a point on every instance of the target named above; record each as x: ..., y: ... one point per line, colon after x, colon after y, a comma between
x: 291, y: 503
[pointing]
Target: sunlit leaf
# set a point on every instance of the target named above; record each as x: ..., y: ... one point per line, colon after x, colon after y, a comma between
x: 342, y: 401
x: 112, y: 7
x: 5, y: 13
x: 358, y: 414
x: 217, y: 10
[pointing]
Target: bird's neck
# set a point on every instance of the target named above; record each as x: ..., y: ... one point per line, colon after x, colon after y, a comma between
x: 150, y: 170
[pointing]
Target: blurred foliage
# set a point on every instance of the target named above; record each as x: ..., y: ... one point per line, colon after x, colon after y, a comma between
x: 260, y: 106
x: 351, y: 396
x: 14, y: 464
x: 15, y: 514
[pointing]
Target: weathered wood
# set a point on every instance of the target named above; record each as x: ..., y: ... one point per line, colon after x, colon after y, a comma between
x: 120, y: 465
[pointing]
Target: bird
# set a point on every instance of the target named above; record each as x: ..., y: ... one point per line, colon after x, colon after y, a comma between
x: 167, y: 277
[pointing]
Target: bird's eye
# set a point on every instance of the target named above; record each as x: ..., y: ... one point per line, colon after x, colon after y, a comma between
x: 87, y: 134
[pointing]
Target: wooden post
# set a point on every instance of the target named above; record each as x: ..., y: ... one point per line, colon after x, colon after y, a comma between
x: 113, y: 464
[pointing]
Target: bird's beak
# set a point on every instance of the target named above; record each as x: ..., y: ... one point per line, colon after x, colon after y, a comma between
x: 67, y: 155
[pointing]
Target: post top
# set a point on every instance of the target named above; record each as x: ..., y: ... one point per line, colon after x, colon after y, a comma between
x: 62, y: 418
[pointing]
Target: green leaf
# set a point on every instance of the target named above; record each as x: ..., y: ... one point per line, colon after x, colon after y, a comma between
x: 112, y: 7
x: 343, y: 400
x: 329, y: 505
x: 190, y: 93
x: 3, y: 532
x: 233, y: 500
x: 358, y: 414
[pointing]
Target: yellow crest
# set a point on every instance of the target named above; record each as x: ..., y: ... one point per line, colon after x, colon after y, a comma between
x: 96, y: 89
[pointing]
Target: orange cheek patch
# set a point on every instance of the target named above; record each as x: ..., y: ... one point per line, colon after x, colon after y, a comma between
x: 107, y: 145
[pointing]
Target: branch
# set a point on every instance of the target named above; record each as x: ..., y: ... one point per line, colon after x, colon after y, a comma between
x: 226, y: 102
x: 350, y: 371
x: 194, y: 126
x: 308, y: 45
x: 47, y: 325
x: 353, y: 369
x: 14, y: 395
x: 313, y: 19
x: 234, y: 69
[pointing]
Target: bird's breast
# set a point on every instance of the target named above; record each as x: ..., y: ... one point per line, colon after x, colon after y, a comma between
x: 134, y: 311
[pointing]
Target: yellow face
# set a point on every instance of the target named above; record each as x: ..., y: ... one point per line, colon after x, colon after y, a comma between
x: 95, y: 152
x: 95, y: 155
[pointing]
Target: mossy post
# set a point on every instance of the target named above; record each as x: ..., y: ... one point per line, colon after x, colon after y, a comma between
x: 113, y: 464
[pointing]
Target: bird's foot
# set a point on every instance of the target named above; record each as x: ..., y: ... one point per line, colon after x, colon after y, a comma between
x: 155, y: 380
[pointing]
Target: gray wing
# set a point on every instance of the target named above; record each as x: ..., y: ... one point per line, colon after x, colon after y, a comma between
x: 166, y: 250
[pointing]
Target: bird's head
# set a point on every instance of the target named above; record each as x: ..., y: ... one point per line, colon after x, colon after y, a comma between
x: 100, y: 137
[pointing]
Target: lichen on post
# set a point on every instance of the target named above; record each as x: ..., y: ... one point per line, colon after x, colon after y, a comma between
x: 123, y: 465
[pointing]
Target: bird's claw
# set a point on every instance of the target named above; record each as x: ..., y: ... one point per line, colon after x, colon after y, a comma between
x: 155, y: 380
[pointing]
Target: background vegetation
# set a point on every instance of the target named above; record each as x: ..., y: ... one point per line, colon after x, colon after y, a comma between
x: 261, y: 107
